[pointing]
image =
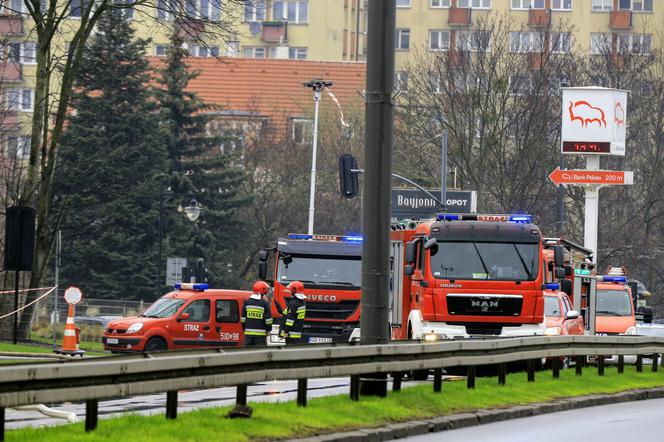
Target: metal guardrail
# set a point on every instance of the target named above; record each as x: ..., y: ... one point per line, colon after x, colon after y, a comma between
x: 94, y: 379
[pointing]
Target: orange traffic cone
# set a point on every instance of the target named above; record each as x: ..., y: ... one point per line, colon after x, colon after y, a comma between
x: 69, y: 340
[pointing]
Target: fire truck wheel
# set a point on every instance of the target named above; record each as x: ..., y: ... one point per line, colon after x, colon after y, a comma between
x: 156, y: 344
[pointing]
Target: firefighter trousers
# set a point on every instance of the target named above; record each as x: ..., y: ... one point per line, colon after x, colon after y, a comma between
x: 255, y: 341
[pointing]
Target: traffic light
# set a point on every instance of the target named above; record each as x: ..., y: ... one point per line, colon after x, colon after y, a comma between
x: 348, y: 181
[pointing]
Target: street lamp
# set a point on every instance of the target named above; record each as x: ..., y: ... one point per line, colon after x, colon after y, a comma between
x: 192, y: 211
x: 317, y: 86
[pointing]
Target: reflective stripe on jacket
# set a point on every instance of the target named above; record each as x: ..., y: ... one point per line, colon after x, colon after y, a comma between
x: 256, y: 316
x: 294, y: 315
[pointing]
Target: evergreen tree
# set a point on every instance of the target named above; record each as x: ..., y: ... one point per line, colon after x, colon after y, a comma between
x: 112, y: 153
x: 200, y: 168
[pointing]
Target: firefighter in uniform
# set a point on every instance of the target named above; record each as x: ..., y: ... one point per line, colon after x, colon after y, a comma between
x: 294, y: 314
x: 257, y: 316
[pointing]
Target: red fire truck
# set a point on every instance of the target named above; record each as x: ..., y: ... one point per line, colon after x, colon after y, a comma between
x: 330, y: 268
x: 460, y: 275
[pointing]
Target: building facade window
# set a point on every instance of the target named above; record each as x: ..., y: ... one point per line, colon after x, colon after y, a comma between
x: 403, y: 3
x: 637, y: 44
x: 232, y: 49
x: 78, y: 7
x: 528, y: 4
x: 301, y: 130
x: 22, y: 52
x: 526, y: 42
x: 253, y: 52
x: 402, y: 39
x: 204, y: 51
x: 439, y: 3
x: 20, y: 99
x: 295, y: 11
x: 475, y: 4
x: 401, y: 81
x: 19, y: 146
x: 297, y: 53
x: 600, y: 43
x: 439, y: 40
x: 203, y: 9
x: 160, y: 50
x: 165, y: 9
x: 602, y: 5
x: 254, y: 10
x: 475, y: 41
x: 636, y: 5
x: 561, y: 5
x: 561, y: 42
x: 16, y: 7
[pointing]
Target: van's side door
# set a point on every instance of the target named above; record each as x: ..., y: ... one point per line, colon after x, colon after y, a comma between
x: 228, y: 329
x: 196, y: 331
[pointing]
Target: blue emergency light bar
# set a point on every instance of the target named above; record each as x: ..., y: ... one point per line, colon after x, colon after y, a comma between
x: 518, y: 219
x: 192, y: 286
x: 553, y: 286
x: 344, y: 238
x: 622, y: 279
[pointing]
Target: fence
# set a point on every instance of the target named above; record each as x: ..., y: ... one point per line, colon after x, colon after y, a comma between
x: 98, y: 378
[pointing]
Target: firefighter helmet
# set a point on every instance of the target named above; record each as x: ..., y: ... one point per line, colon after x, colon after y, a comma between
x: 296, y: 287
x: 261, y: 287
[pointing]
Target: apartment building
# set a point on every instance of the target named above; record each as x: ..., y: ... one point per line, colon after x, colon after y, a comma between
x: 589, y: 25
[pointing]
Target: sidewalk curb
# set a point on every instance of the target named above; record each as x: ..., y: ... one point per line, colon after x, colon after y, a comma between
x: 479, y: 417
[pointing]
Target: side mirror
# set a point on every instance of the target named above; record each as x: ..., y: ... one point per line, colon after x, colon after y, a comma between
x: 409, y: 269
x: 569, y: 271
x: 410, y: 251
x: 571, y: 314
x: 566, y: 286
x: 183, y: 317
x: 432, y: 246
x: 262, y: 269
x: 287, y: 259
x: 560, y: 272
x: 559, y: 256
x: 263, y: 255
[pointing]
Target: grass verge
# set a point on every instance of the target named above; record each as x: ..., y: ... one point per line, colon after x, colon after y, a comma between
x: 338, y: 413
x: 36, y: 348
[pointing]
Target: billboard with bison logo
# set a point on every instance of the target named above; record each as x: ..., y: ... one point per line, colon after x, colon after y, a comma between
x: 594, y: 116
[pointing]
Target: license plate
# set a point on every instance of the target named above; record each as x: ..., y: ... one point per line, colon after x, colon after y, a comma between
x: 112, y: 340
x: 316, y: 340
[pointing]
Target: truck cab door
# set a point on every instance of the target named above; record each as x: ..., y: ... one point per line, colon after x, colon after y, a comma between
x: 228, y: 328
x: 196, y: 330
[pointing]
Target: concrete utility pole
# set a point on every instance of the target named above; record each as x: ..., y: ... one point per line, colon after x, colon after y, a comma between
x: 374, y: 325
x: 443, y: 169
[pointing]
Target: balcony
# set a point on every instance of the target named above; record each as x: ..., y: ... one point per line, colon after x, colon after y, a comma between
x: 620, y: 20
x: 457, y: 59
x: 275, y: 31
x: 459, y: 16
x: 9, y: 120
x: 11, y: 25
x: 539, y: 18
x: 191, y: 29
x: 536, y: 60
x: 10, y: 72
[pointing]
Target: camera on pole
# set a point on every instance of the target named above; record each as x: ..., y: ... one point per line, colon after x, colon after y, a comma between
x: 348, y: 181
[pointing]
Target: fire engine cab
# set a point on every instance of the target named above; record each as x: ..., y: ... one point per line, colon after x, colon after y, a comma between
x: 460, y: 276
x: 192, y: 316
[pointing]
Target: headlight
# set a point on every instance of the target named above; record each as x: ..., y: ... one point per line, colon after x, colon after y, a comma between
x: 631, y: 331
x: 553, y: 331
x: 135, y: 327
x: 431, y: 337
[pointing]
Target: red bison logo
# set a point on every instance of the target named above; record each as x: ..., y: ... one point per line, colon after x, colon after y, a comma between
x: 619, y: 114
x: 586, y: 113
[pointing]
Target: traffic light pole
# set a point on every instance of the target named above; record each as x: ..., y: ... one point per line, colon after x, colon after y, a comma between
x: 377, y: 184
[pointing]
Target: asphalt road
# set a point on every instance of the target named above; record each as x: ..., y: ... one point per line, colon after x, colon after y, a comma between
x: 619, y: 422
x: 275, y: 391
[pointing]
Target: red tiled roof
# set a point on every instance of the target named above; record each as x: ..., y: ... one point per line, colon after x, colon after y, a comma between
x: 272, y: 87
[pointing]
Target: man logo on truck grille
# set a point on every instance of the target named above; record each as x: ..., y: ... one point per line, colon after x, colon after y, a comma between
x: 484, y: 305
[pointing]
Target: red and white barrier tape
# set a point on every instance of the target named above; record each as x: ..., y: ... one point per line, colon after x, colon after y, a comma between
x: 4, y: 292
x: 51, y: 289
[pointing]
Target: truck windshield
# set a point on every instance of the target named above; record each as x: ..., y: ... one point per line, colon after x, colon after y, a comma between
x: 551, y: 306
x: 484, y: 260
x: 163, y: 308
x: 323, y: 270
x: 614, y: 303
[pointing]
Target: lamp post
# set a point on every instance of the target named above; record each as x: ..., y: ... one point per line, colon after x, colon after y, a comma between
x: 192, y: 211
x: 317, y: 86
